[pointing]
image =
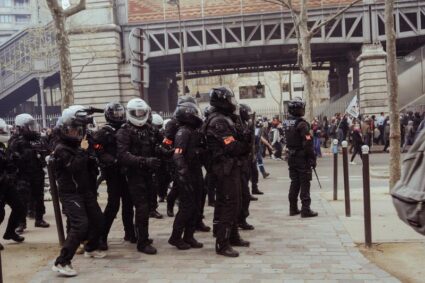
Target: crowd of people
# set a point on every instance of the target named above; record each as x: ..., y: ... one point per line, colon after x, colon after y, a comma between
x: 365, y: 130
x: 143, y: 160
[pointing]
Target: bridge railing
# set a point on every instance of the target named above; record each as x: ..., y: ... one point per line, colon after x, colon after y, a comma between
x: 30, y: 52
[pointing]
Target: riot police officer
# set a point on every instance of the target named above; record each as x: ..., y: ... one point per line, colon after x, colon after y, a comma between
x: 26, y: 149
x: 188, y: 166
x: 106, y: 151
x: 136, y: 153
x: 301, y: 158
x: 244, y: 126
x: 72, y: 170
x: 226, y: 148
x: 8, y: 194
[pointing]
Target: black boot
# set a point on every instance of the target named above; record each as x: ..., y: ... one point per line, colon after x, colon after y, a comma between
x: 265, y: 174
x: 155, y: 214
x: 177, y: 241
x: 245, y: 225
x: 239, y: 242
x: 40, y: 223
x: 228, y: 251
x: 1, y: 247
x: 252, y: 198
x: 189, y: 239
x: 146, y: 249
x: 293, y: 212
x: 306, y: 213
x: 202, y: 227
x: 256, y: 191
x: 13, y: 236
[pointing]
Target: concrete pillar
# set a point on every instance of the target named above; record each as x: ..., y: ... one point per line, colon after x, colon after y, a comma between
x: 343, y: 69
x: 96, y: 57
x: 333, y: 83
x: 373, y: 80
x: 356, y: 78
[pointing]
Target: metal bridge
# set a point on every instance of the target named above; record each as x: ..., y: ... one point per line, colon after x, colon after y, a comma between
x: 213, y: 43
x: 233, y: 44
x: 27, y: 56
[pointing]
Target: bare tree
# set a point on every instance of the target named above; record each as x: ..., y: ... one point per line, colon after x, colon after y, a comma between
x: 304, y: 36
x: 395, y: 136
x: 281, y: 78
x: 59, y: 17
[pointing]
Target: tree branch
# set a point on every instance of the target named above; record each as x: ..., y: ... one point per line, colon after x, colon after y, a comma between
x: 54, y: 6
x: 75, y: 9
x: 332, y: 17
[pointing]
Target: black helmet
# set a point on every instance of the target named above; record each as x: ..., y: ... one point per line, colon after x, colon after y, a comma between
x: 296, y: 107
x: 245, y: 112
x: 73, y: 124
x: 186, y: 98
x: 188, y: 113
x: 115, y: 114
x: 208, y: 110
x: 223, y: 99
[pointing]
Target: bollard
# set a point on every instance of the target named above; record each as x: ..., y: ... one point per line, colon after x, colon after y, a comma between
x: 346, y: 180
x: 1, y: 270
x: 55, y: 201
x: 366, y: 197
x: 335, y: 152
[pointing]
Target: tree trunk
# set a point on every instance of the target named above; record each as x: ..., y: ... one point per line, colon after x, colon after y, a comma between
x: 290, y: 85
x: 306, y: 65
x: 395, y: 137
x: 64, y: 61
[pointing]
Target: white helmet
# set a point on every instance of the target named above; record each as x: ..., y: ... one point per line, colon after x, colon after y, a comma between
x: 157, y: 120
x: 138, y: 112
x: 4, y: 132
x: 166, y: 122
x: 26, y: 120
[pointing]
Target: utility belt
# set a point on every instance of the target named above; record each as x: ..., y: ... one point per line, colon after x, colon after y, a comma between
x: 296, y: 152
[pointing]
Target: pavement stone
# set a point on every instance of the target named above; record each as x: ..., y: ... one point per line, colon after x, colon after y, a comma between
x: 283, y: 249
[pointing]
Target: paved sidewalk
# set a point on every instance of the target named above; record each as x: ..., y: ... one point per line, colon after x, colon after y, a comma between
x: 283, y: 249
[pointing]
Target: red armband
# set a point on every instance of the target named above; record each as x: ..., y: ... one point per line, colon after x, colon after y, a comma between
x: 308, y: 138
x: 167, y: 141
x: 178, y: 151
x: 229, y: 140
x: 97, y: 146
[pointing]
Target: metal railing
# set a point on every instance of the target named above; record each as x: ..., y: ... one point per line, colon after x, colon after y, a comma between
x: 30, y: 53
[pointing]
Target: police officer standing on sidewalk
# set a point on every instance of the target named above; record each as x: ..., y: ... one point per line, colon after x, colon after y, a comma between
x: 189, y: 177
x: 136, y: 153
x: 106, y: 151
x: 301, y: 158
x: 226, y: 148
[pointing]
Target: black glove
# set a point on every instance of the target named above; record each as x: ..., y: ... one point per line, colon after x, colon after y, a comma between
x: 151, y: 162
x: 312, y: 163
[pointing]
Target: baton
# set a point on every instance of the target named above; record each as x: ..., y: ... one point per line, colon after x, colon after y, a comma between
x: 317, y: 177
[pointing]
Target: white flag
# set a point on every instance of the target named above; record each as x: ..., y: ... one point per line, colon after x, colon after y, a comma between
x: 65, y: 4
x: 353, y: 108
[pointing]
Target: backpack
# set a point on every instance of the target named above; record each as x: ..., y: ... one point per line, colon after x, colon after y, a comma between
x: 409, y: 193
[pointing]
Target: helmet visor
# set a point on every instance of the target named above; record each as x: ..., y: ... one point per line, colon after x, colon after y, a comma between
x: 32, y: 126
x: 118, y: 114
x: 74, y: 132
x: 139, y: 113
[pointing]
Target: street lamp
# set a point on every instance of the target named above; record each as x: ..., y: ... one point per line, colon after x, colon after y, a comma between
x: 177, y: 3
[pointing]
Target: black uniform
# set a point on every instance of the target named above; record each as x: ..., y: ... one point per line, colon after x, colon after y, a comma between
x: 246, y: 161
x: 136, y: 153
x: 117, y: 187
x: 73, y: 169
x: 189, y: 180
x: 9, y: 195
x: 301, y: 160
x: 28, y: 159
x: 227, y: 148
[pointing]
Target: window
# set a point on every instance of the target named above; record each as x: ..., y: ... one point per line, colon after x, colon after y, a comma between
x: 21, y: 3
x: 6, y: 18
x: 298, y: 87
x: 248, y: 92
x: 22, y: 18
x: 5, y: 3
